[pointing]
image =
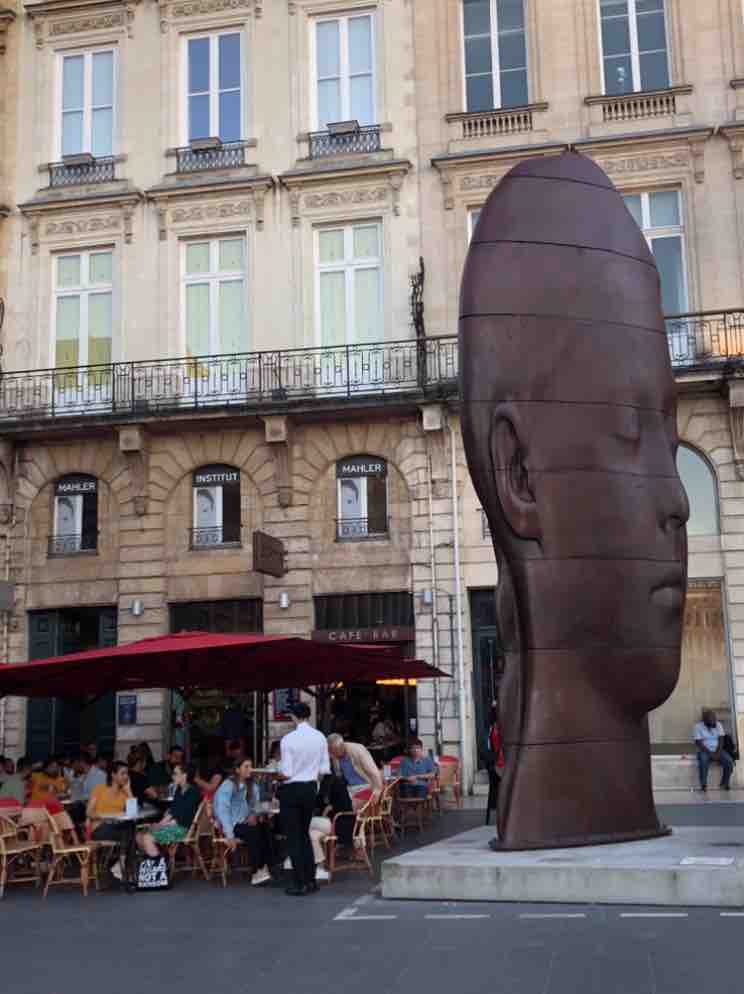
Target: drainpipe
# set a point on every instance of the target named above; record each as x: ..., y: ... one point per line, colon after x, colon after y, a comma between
x: 434, y: 618
x: 464, y: 755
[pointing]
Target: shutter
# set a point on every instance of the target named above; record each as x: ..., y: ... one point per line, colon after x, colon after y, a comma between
x: 231, y: 512
x: 42, y: 642
x: 377, y: 523
x: 105, y: 706
x: 90, y: 522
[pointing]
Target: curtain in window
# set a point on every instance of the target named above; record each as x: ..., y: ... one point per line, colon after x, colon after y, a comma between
x: 102, y: 111
x: 333, y: 308
x: 197, y: 319
x: 67, y: 326
x: 668, y: 256
x: 367, y: 316
x: 99, y: 328
x: 233, y: 328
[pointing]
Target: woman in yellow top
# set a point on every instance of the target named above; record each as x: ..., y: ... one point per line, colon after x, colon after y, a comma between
x: 111, y: 799
x: 49, y: 783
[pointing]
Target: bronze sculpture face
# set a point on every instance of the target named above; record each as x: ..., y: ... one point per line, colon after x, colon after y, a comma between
x: 569, y: 423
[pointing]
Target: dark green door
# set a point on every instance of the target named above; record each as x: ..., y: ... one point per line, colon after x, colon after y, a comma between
x: 40, y: 715
x: 488, y: 659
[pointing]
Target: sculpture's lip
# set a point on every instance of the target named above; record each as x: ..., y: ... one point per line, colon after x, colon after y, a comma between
x: 670, y: 591
x: 673, y: 579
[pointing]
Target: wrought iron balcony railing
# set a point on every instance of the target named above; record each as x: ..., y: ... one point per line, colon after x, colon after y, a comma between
x: 326, y: 143
x: 79, y: 172
x: 210, y: 538
x: 706, y: 339
x: 226, y: 156
x: 72, y: 544
x: 355, y: 529
x: 247, y: 380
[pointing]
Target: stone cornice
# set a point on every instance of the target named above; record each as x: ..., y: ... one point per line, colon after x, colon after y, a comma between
x: 80, y: 201
x: 333, y: 172
x: 644, y: 138
x: 314, y: 188
x: 6, y: 19
x: 4, y: 211
x: 204, y: 202
x: 733, y: 132
x: 682, y: 90
x: 43, y: 8
x: 165, y: 192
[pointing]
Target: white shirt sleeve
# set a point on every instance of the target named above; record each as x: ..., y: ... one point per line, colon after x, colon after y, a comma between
x: 285, y: 763
x: 325, y: 759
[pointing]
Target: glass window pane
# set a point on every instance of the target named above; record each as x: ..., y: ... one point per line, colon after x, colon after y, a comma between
x: 646, y: 6
x: 367, y: 320
x: 700, y: 486
x: 362, y: 102
x: 477, y: 17
x: 68, y: 270
x: 231, y: 255
x: 72, y: 82
x: 477, y: 55
x: 102, y: 128
x: 360, y: 44
x: 100, y: 267
x: 366, y: 242
x: 233, y: 330
x: 206, y: 507
x: 351, y: 498
x: 229, y: 64
x: 199, y: 117
x: 230, y: 130
x: 633, y: 203
x: 651, y: 32
x: 654, y: 71
x: 613, y: 8
x: 668, y: 256
x: 72, y: 132
x: 480, y: 93
x: 514, y: 88
x: 510, y: 14
x: 616, y: 36
x: 197, y: 257
x: 329, y: 102
x: 618, y: 75
x: 67, y: 332
x: 328, y: 49
x: 664, y: 208
x: 198, y: 55
x: 103, y: 79
x: 99, y: 328
x: 512, y: 51
x: 331, y: 246
x: 332, y: 308
x: 197, y: 319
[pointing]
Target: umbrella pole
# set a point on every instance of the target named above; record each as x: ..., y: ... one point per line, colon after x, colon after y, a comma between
x: 255, y: 727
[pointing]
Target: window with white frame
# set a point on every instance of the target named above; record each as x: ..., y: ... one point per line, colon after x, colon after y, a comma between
x: 83, y: 308
x: 214, y: 87
x: 361, y: 483
x: 659, y: 216
x: 214, y: 296
x: 344, y: 70
x: 473, y: 216
x: 349, y: 284
x: 634, y: 45
x: 86, y: 88
x: 495, y: 54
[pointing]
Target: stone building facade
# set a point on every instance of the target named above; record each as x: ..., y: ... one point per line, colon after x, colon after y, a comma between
x: 214, y: 218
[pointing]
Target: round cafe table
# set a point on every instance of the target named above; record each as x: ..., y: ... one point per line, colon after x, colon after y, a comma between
x: 145, y: 812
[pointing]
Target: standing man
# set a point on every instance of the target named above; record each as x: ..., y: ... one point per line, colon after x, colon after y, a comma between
x: 353, y: 762
x: 304, y: 758
x: 708, y: 735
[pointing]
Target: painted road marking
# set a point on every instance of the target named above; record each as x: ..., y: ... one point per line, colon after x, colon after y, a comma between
x: 575, y: 914
x: 732, y: 914
x: 450, y: 917
x: 654, y: 914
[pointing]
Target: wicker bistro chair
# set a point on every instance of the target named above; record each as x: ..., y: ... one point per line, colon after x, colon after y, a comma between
x: 225, y: 860
x: 190, y: 847
x: 20, y: 858
x: 359, y: 857
x: 72, y: 862
x: 448, y: 779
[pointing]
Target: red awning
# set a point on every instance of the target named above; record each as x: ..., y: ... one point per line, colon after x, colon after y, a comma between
x: 200, y: 660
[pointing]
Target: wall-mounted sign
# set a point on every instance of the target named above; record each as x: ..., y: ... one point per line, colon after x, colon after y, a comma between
x: 268, y: 555
x: 215, y: 476
x: 360, y: 466
x: 127, y: 709
x: 283, y: 701
x: 76, y: 484
x: 382, y: 633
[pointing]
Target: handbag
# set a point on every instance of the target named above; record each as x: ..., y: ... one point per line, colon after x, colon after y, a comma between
x: 152, y: 873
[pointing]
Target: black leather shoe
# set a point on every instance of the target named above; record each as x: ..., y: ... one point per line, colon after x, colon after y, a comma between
x: 312, y: 888
x: 296, y: 891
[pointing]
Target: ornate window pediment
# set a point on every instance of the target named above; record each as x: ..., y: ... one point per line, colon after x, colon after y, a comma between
x: 54, y: 19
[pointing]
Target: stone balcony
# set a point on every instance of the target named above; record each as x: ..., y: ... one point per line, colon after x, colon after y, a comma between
x: 657, y: 109
x: 472, y: 130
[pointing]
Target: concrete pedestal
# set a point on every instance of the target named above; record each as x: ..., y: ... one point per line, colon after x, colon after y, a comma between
x: 692, y: 867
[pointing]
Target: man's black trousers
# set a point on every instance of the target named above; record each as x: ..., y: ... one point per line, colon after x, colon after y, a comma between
x: 297, y: 802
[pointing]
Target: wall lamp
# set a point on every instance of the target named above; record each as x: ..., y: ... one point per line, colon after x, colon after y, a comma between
x: 283, y: 600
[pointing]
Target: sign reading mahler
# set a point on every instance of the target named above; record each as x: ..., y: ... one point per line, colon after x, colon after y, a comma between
x: 360, y: 466
x: 68, y: 485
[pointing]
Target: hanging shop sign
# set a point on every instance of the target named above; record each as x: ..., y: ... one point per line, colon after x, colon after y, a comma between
x: 76, y: 484
x: 381, y: 633
x: 283, y: 701
x: 360, y: 466
x: 269, y: 555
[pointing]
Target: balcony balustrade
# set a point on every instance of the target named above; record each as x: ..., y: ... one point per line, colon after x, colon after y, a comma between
x: 356, y: 529
x: 210, y: 538
x: 72, y: 544
x: 82, y: 171
x: 350, y: 142
x: 706, y: 339
x: 219, y: 156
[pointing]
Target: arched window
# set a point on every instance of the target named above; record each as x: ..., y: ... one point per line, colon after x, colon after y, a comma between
x: 700, y: 485
x: 75, y: 515
x: 362, y: 497
x: 216, y: 491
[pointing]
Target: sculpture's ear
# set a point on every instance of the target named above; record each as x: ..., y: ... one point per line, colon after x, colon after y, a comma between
x: 511, y: 472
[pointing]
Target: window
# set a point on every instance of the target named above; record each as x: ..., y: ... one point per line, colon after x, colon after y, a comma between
x: 75, y: 515
x: 344, y: 70
x: 83, y: 308
x: 700, y: 487
x: 216, y: 506
x: 349, y: 290
x: 362, y: 497
x: 659, y: 216
x: 473, y: 218
x: 216, y: 322
x: 634, y: 45
x: 364, y: 610
x: 495, y: 54
x: 214, y: 87
x: 87, y: 103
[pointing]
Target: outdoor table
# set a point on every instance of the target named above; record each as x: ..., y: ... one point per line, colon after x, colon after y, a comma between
x: 145, y: 812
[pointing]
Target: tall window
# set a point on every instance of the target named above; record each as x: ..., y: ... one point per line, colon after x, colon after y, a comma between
x: 659, y: 216
x: 495, y: 54
x: 634, y: 45
x: 700, y: 487
x: 87, y: 103
x: 349, y: 284
x: 362, y: 497
x: 75, y: 515
x: 83, y: 308
x: 216, y: 497
x: 344, y: 70
x: 214, y: 87
x: 473, y: 217
x: 214, y: 297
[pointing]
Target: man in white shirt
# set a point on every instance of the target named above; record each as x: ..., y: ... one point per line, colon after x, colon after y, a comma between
x: 708, y: 735
x: 304, y: 758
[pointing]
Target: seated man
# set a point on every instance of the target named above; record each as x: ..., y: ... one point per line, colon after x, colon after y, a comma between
x: 14, y: 785
x: 708, y: 735
x: 236, y: 806
x: 160, y: 775
x: 354, y: 763
x: 416, y: 770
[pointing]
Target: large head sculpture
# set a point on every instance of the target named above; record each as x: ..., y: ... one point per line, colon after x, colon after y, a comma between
x: 569, y: 422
